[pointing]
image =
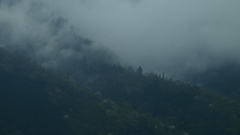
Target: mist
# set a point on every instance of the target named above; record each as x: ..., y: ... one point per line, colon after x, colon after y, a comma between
x: 171, y: 36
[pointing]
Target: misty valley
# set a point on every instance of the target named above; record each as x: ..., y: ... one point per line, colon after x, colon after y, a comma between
x: 91, y: 68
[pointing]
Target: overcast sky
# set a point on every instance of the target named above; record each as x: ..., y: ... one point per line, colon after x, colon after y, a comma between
x: 172, y: 36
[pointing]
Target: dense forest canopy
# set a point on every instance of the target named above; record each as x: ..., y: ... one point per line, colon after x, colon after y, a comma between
x: 109, y: 99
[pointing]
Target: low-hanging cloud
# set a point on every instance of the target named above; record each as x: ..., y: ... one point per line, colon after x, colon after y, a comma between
x: 33, y: 28
x: 160, y: 35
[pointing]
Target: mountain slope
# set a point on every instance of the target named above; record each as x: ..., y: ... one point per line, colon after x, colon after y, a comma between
x: 35, y: 101
x: 188, y: 107
x: 109, y: 99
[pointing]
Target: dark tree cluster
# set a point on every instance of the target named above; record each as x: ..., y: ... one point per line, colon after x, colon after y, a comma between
x: 108, y: 99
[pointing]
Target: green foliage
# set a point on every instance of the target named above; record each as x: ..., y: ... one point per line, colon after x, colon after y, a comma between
x: 188, y: 107
x: 107, y: 100
x: 38, y: 101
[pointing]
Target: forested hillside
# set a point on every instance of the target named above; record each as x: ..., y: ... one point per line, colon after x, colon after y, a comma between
x: 107, y: 99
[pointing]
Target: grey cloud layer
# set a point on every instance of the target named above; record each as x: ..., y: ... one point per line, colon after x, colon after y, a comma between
x: 36, y: 29
x: 161, y: 35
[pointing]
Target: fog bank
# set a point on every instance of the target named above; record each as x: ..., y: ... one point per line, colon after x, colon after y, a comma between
x: 162, y: 36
